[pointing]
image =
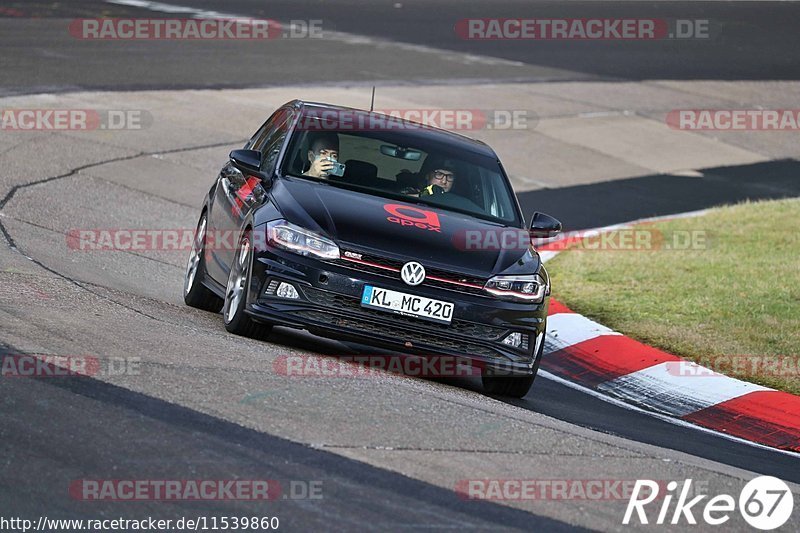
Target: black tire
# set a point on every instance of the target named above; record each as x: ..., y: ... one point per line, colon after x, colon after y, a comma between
x: 236, y: 320
x: 195, y: 294
x: 513, y: 386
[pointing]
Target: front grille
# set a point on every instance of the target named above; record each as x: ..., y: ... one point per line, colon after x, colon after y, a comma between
x: 447, y: 280
x: 400, y: 334
x: 353, y: 305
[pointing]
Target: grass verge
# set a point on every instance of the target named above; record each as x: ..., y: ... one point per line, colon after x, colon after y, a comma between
x: 722, y: 289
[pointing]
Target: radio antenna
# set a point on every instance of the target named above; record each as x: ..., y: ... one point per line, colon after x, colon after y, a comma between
x: 372, y: 103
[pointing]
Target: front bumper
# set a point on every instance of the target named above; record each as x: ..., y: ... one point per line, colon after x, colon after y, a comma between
x: 329, y: 304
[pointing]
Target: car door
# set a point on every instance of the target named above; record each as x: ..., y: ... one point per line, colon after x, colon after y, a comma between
x: 236, y: 195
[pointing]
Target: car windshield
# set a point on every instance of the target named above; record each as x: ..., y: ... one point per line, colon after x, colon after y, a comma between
x: 399, y: 161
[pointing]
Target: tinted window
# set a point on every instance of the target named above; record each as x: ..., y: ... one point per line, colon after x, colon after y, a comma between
x: 270, y: 145
x: 403, y: 164
x: 277, y: 118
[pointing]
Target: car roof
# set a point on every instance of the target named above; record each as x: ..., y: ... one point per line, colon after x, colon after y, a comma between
x: 430, y: 133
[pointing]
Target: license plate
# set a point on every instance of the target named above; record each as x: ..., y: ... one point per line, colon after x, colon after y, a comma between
x: 407, y: 304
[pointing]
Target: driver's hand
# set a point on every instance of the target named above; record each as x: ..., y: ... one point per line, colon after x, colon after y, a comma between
x: 320, y: 167
x: 432, y: 190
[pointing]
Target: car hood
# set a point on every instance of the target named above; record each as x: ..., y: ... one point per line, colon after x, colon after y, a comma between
x: 402, y: 230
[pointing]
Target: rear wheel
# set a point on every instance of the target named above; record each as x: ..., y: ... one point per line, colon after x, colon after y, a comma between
x: 513, y: 386
x: 195, y: 294
x: 236, y: 320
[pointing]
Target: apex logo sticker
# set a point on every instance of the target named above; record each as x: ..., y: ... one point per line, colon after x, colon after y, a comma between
x: 407, y: 215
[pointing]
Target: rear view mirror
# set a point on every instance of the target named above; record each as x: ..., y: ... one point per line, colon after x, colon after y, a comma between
x: 544, y: 226
x: 400, y: 152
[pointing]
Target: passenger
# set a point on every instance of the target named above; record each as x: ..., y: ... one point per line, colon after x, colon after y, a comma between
x: 322, y: 154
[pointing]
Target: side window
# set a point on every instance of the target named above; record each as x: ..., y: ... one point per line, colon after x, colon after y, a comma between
x: 490, y: 203
x: 257, y: 139
x: 272, y: 143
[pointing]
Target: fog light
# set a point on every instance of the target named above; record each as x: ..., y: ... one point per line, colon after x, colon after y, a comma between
x: 270, y: 289
x: 513, y: 339
x: 287, y: 290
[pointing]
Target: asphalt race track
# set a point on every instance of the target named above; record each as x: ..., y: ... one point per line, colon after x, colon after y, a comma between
x: 747, y: 42
x: 388, y: 451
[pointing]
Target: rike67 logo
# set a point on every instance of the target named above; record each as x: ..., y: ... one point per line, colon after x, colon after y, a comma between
x: 765, y: 503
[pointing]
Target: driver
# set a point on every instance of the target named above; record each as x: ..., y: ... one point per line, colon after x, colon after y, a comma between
x: 322, y: 153
x: 440, y: 179
x: 439, y: 183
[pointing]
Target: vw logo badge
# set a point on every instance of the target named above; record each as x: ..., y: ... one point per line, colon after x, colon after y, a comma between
x: 413, y: 273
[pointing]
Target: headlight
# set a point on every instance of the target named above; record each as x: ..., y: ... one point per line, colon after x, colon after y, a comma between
x: 531, y: 288
x: 282, y: 234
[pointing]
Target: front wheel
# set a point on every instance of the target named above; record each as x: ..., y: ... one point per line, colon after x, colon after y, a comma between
x: 513, y: 386
x: 195, y: 294
x: 236, y: 320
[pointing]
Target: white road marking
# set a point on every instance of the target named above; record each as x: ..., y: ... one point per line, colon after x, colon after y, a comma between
x: 547, y: 255
x: 665, y: 418
x: 566, y: 329
x: 661, y: 388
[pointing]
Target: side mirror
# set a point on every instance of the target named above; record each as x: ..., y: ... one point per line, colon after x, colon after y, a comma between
x: 246, y: 160
x: 544, y: 226
x: 249, y: 163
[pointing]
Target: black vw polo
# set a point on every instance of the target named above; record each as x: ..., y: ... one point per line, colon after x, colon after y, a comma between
x: 360, y: 226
